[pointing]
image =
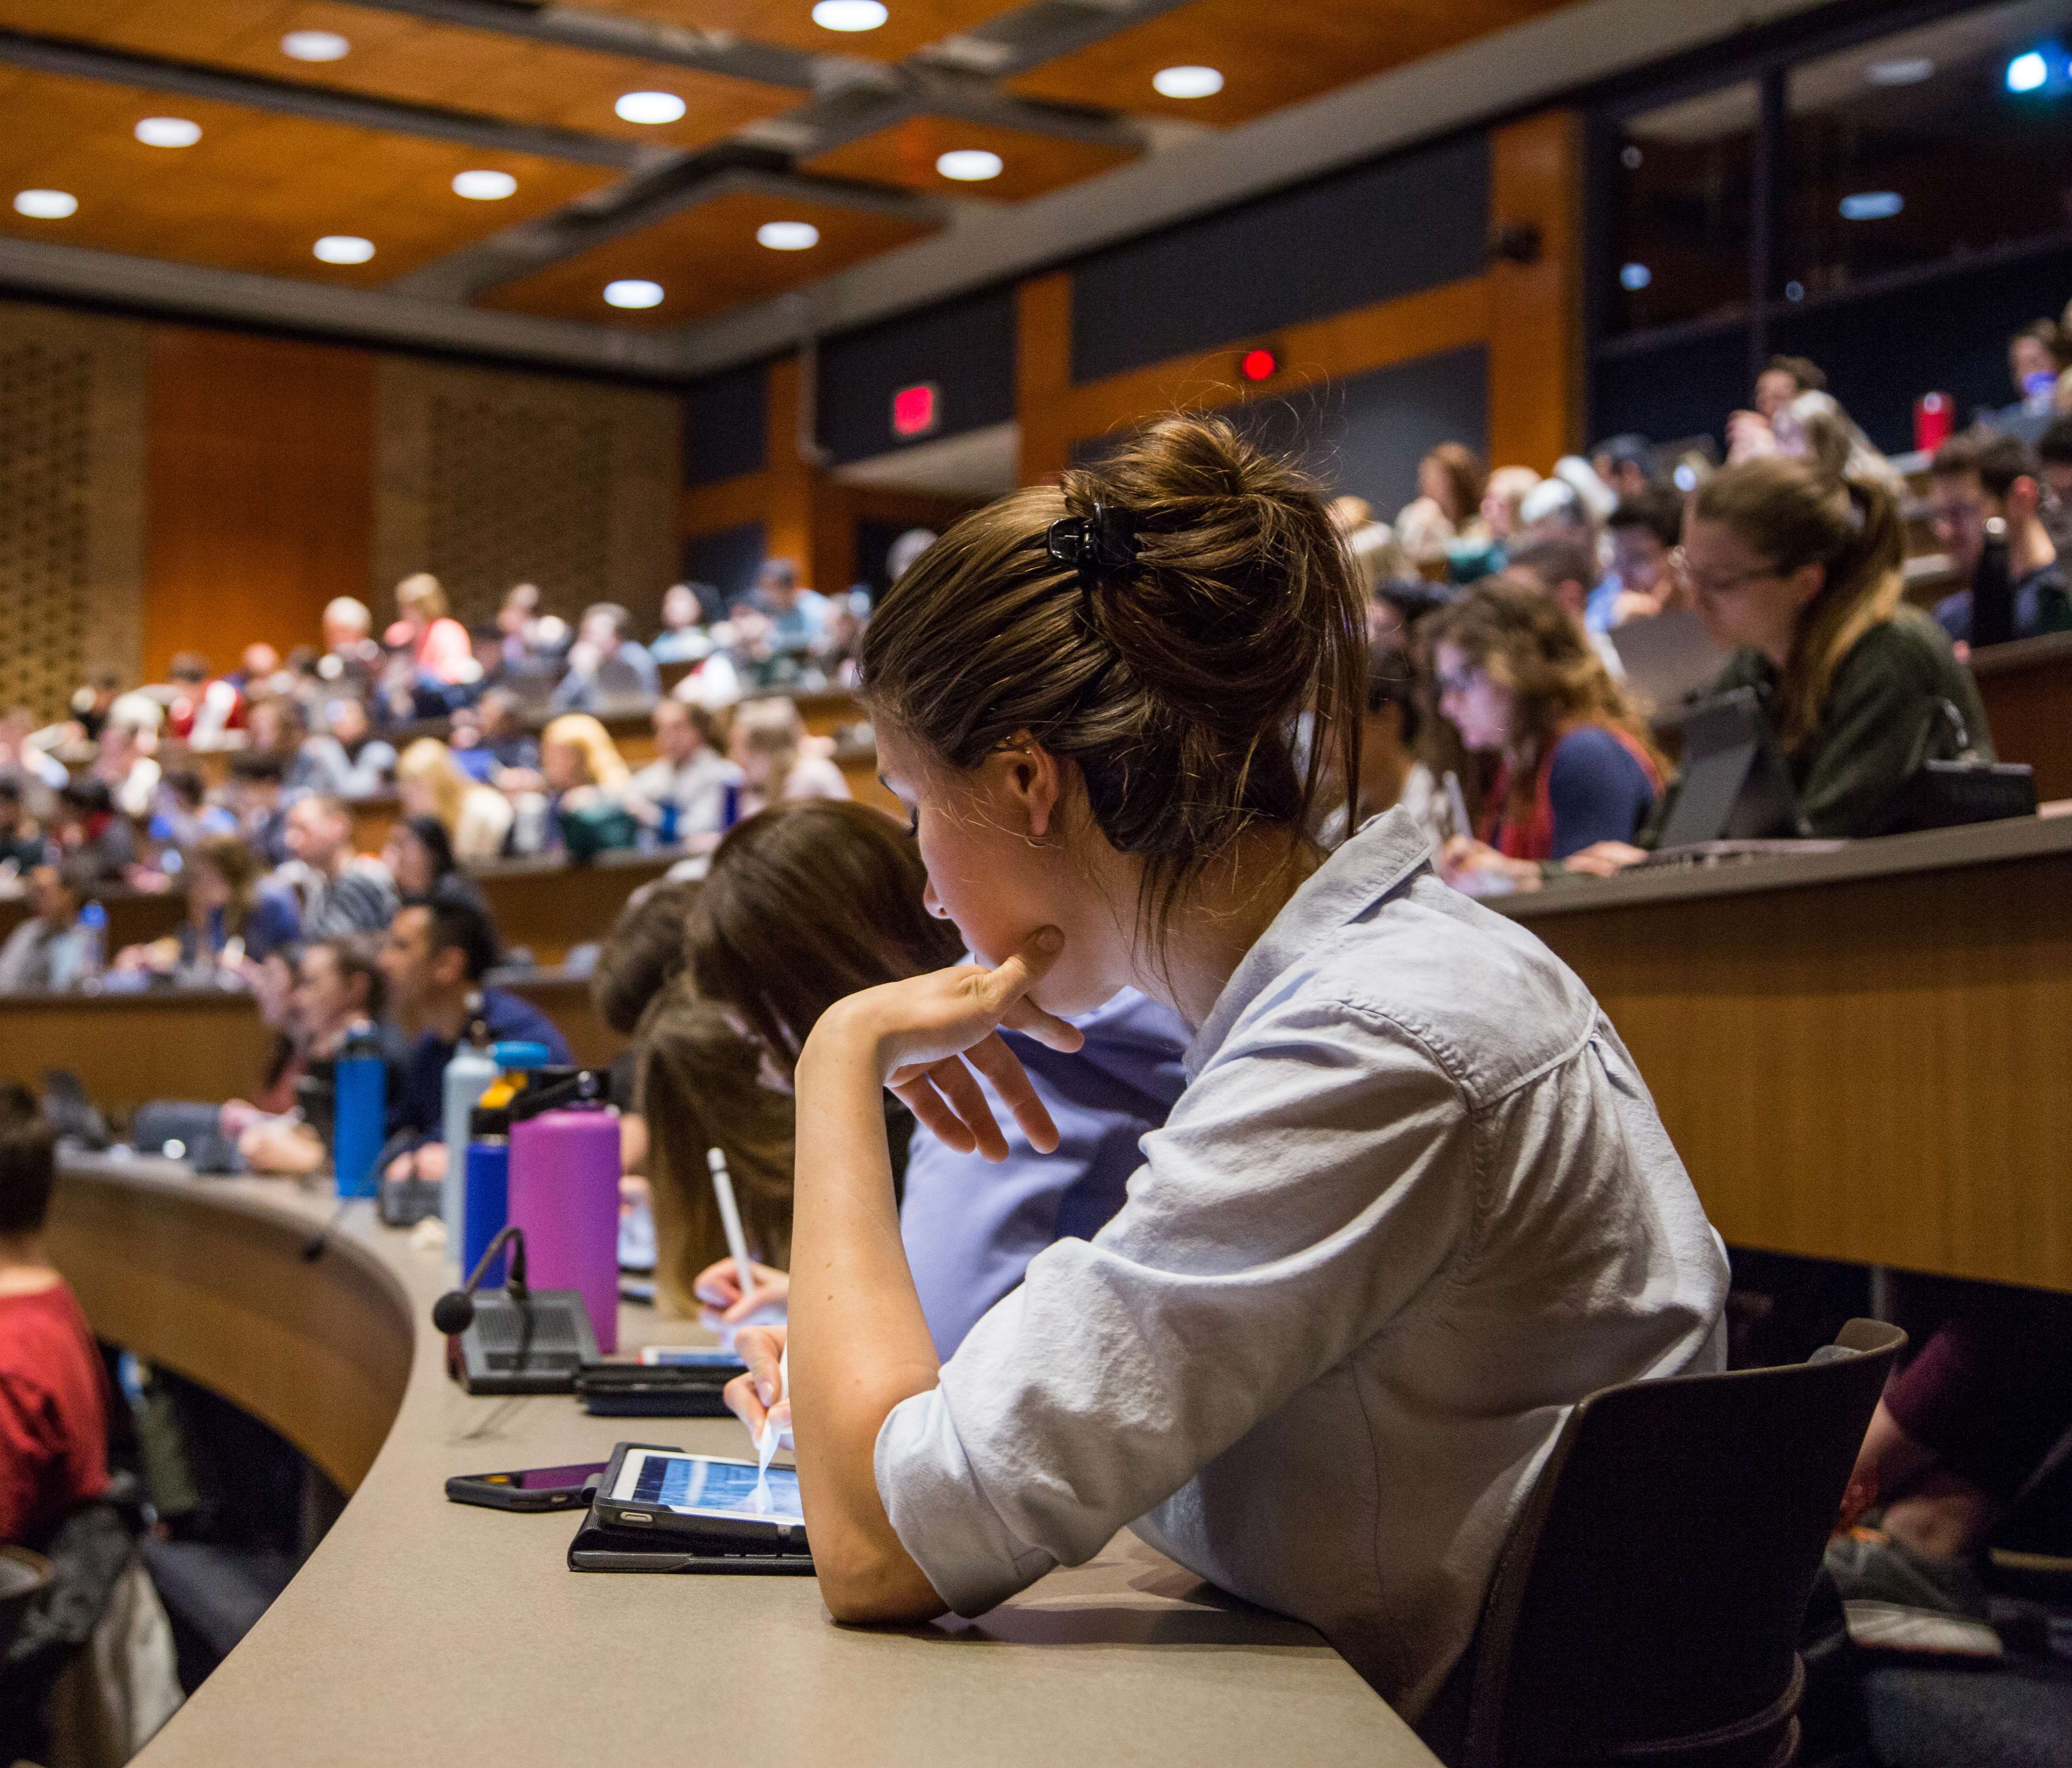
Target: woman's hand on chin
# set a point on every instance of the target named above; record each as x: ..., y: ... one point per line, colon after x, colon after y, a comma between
x: 929, y: 1037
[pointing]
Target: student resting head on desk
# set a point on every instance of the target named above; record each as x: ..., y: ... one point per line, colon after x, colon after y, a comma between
x: 1413, y: 1204
x: 1797, y: 572
x: 1518, y: 676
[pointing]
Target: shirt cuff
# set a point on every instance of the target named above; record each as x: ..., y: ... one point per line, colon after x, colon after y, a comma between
x: 941, y: 1514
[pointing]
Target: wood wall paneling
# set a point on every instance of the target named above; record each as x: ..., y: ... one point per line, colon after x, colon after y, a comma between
x: 905, y: 155
x: 259, y: 506
x: 71, y: 501
x: 911, y: 24
x: 1043, y: 374
x: 259, y: 188
x: 416, y: 60
x: 1536, y: 340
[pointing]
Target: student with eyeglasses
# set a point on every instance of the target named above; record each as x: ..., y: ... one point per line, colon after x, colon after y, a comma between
x: 1413, y: 1203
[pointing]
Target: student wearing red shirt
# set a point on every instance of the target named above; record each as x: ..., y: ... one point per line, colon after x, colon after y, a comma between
x: 53, y: 1421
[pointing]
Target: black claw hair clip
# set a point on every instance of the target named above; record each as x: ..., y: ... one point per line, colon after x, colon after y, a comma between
x: 1099, y: 548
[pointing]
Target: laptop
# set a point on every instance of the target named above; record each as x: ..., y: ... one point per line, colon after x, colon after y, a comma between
x: 1737, y: 796
x: 1667, y: 658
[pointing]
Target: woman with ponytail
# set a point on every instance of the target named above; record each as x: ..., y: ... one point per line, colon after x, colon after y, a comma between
x: 1797, y: 572
x: 1411, y: 1205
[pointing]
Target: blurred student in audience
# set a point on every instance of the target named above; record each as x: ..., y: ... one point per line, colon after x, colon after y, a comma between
x: 690, y: 792
x: 53, y: 950
x: 1644, y: 530
x: 588, y: 785
x: 490, y: 738
x: 425, y: 629
x: 2036, y: 356
x: 1518, y: 679
x: 53, y: 1391
x: 768, y: 744
x: 227, y: 899
x: 476, y: 818
x: 339, y: 891
x: 125, y: 760
x: 310, y: 761
x: 200, y: 710
x: 21, y: 755
x: 348, y: 629
x: 421, y: 859
x: 798, y: 616
x: 372, y: 759
x: 1813, y: 427
x: 2054, y: 454
x: 256, y: 799
x: 1571, y: 506
x: 433, y: 963
x: 607, y: 664
x: 1390, y: 773
x: 337, y: 989
x: 1508, y: 487
x: 1781, y: 380
x: 1973, y: 479
x: 686, y: 609
x: 185, y: 814
x: 22, y: 844
x: 85, y: 826
x: 1451, y: 480
x: 1626, y: 463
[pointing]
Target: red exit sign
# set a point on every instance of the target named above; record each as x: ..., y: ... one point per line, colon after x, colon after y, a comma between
x: 917, y: 410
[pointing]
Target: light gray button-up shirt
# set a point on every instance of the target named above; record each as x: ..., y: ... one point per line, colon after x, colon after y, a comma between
x: 1415, y: 1202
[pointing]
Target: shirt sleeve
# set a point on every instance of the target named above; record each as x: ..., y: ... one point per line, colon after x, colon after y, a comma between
x: 1884, y: 703
x: 28, y: 1444
x: 1599, y: 792
x: 1311, y: 1183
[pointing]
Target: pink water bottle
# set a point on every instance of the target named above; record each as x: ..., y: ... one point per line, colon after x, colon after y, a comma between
x: 564, y: 1191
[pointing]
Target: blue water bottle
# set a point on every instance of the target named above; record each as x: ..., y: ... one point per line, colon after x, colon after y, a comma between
x: 360, y: 1118
x: 487, y: 1199
x: 666, y: 835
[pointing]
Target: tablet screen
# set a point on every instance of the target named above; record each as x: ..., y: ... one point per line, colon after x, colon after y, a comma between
x: 693, y: 1486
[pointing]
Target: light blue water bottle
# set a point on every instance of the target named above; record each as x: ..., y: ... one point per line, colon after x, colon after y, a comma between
x: 359, y: 1116
x: 469, y: 1073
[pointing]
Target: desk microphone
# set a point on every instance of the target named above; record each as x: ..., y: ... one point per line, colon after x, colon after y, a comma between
x: 453, y: 1312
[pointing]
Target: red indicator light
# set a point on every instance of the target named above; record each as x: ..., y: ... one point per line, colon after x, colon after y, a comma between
x: 1259, y: 365
x: 915, y: 409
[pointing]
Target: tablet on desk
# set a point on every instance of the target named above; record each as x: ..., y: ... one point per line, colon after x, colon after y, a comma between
x: 706, y: 1503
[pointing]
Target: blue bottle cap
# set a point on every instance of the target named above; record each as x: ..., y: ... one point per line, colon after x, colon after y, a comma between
x: 521, y: 1055
x: 93, y: 915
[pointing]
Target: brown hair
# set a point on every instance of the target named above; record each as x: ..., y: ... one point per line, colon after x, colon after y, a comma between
x: 240, y: 868
x: 1526, y: 642
x: 1466, y: 479
x: 806, y: 903
x: 642, y: 954
x: 1174, y: 686
x: 357, y: 956
x: 1807, y: 375
x: 1997, y: 461
x: 697, y: 1090
x: 28, y: 1161
x: 1791, y: 515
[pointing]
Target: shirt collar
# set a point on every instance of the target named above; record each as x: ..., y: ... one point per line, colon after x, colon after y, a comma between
x: 1386, y: 853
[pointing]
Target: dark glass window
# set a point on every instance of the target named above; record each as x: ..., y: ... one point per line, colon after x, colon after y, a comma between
x: 1682, y: 210
x: 1938, y: 142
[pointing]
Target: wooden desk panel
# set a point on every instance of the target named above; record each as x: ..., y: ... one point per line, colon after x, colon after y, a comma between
x: 127, y: 1048
x: 546, y: 906
x: 1876, y: 1068
x: 2026, y: 687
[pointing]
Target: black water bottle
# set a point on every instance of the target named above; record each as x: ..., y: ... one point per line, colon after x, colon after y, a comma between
x: 1992, y: 590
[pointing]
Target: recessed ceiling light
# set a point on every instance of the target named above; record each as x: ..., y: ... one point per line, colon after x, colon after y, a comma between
x: 483, y: 186
x: 969, y: 165
x: 46, y: 205
x: 168, y: 131
x: 787, y: 236
x: 315, y: 45
x: 2027, y: 71
x: 649, y: 107
x: 1908, y: 71
x: 343, y: 249
x: 1635, y: 277
x: 849, y: 14
x: 1872, y: 205
x: 1187, y: 82
x: 633, y: 292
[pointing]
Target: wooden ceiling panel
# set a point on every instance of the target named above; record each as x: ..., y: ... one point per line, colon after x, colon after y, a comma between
x: 906, y: 154
x: 395, y: 56
x: 706, y: 260
x: 1268, y: 56
x: 910, y: 24
x: 258, y: 190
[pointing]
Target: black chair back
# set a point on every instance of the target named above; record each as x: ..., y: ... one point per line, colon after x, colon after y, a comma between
x: 1648, y: 1607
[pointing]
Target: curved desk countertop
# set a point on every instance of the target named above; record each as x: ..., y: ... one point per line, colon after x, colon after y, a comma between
x: 422, y: 1631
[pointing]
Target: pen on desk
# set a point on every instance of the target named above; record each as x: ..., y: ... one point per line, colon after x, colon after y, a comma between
x: 729, y: 1218
x: 1457, y: 805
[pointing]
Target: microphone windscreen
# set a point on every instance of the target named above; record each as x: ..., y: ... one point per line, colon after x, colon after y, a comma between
x: 454, y: 1312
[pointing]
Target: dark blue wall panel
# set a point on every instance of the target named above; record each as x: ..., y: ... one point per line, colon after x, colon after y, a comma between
x: 1682, y: 388
x: 726, y: 559
x: 725, y: 419
x: 966, y: 348
x: 1368, y: 235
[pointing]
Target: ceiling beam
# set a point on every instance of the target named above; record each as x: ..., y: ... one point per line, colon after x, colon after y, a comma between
x: 79, y: 61
x: 1506, y: 70
x: 33, y: 268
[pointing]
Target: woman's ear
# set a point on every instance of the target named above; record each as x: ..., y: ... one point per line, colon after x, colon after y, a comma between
x: 1807, y: 582
x: 1031, y: 777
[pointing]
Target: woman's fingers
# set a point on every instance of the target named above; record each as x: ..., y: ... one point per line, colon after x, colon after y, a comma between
x: 1047, y: 1029
x: 993, y: 1060
x: 961, y: 1092
x: 932, y: 1111
x: 762, y: 1349
x: 717, y: 1286
x: 743, y: 1402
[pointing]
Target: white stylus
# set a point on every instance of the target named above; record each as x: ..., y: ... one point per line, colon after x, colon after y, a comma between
x: 765, y: 1440
x: 730, y: 1219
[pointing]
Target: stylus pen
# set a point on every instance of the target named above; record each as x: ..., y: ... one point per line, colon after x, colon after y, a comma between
x: 729, y: 1217
x: 765, y: 1438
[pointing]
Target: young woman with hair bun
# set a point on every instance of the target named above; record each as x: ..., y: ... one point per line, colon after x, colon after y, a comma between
x: 1412, y: 1205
